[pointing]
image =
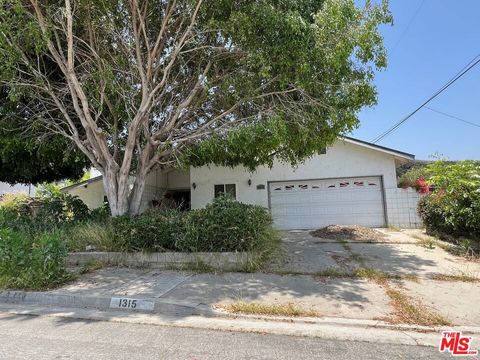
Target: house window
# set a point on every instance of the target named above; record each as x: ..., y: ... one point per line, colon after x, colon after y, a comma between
x: 230, y: 189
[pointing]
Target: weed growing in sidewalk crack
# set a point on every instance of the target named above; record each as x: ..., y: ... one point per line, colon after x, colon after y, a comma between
x: 410, y: 311
x: 288, y: 309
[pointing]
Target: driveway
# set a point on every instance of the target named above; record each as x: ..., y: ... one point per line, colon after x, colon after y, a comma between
x: 399, y: 252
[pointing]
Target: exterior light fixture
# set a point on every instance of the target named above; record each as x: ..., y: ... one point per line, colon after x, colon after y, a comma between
x: 249, y: 182
x: 194, y: 186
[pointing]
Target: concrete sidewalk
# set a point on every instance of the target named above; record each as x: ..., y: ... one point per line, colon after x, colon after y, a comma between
x: 184, y: 294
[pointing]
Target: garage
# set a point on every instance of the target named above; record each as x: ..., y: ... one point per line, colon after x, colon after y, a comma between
x: 310, y: 204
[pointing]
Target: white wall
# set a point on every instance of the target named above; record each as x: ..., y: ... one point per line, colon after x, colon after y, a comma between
x: 402, y: 208
x: 343, y: 159
x: 91, y: 194
x: 15, y: 189
x: 157, y: 182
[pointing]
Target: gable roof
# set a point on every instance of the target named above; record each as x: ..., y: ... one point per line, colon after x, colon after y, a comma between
x: 82, y: 183
x: 384, y: 149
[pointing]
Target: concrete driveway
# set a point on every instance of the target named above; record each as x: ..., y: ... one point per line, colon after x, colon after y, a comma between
x: 400, y: 252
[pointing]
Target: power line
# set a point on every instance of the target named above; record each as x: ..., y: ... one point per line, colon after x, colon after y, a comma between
x: 457, y: 76
x: 410, y: 22
x: 453, y: 117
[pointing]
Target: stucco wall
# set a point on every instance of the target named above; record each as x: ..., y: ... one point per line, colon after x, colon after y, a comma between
x: 157, y: 182
x: 402, y: 208
x: 343, y: 159
x: 91, y: 194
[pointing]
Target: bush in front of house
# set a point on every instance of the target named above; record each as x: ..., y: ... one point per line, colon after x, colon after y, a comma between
x: 32, y: 261
x: 453, y: 208
x: 225, y: 225
x: 41, y: 214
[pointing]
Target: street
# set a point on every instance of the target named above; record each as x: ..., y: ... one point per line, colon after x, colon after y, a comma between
x: 32, y: 337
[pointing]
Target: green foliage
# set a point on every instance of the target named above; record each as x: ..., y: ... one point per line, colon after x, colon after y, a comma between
x: 31, y: 159
x: 94, y: 235
x: 223, y: 226
x: 454, y: 206
x: 294, y: 73
x: 409, y: 178
x: 226, y: 225
x: 41, y: 214
x: 329, y: 49
x: 32, y: 262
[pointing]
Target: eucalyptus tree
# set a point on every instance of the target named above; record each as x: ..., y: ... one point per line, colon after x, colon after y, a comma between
x: 138, y: 84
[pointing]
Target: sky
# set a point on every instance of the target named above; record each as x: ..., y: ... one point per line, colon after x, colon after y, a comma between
x: 430, y: 41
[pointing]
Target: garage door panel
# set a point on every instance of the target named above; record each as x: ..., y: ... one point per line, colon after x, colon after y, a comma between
x: 316, y: 203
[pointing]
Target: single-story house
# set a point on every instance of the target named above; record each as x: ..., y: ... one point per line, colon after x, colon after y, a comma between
x: 352, y: 182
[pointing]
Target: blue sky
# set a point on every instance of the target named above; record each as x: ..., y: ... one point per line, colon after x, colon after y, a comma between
x: 425, y: 51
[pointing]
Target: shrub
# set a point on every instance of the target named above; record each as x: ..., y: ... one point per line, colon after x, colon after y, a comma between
x: 41, y: 214
x: 225, y: 225
x: 28, y: 262
x: 411, y: 177
x: 62, y: 208
x: 99, y: 236
x: 154, y: 230
x: 454, y: 207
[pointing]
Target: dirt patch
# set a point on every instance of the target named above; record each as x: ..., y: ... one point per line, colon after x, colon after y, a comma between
x: 348, y: 232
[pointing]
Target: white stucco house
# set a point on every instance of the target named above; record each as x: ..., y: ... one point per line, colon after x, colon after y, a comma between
x: 353, y: 182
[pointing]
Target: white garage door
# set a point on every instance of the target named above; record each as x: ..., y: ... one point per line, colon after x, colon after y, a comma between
x: 313, y: 204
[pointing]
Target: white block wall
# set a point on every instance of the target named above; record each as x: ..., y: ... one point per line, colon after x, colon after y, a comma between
x: 402, y: 208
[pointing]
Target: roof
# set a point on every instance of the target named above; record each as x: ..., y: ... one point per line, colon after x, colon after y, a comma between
x: 396, y: 153
x: 384, y: 149
x: 82, y: 183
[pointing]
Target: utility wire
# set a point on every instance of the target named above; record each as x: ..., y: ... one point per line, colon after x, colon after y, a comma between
x: 457, y: 76
x: 453, y: 117
x: 410, y: 22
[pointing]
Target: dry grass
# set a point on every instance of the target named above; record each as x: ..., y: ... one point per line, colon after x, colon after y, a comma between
x: 91, y: 266
x: 456, y: 278
x: 375, y: 275
x: 288, y: 309
x: 409, y: 311
x: 394, y: 228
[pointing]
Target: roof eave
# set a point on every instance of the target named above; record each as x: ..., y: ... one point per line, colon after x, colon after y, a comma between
x: 396, y: 153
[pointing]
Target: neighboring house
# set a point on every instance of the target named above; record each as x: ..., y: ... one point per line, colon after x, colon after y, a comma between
x: 353, y: 182
x: 17, y: 188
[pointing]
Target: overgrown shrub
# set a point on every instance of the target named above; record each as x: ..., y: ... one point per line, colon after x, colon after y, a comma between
x: 154, y: 230
x: 225, y: 225
x: 32, y: 262
x: 92, y: 235
x: 454, y: 207
x: 41, y: 214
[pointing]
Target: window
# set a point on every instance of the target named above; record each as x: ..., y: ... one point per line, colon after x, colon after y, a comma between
x: 230, y: 189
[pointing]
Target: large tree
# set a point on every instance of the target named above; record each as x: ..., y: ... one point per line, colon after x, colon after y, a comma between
x: 31, y: 157
x: 147, y: 83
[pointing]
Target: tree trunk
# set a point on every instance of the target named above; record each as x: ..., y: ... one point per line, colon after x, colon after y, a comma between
x: 137, y: 194
x: 116, y: 188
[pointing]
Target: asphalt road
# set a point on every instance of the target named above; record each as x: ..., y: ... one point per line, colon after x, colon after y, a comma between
x: 31, y: 337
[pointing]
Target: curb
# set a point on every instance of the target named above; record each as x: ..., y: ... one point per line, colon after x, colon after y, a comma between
x: 185, y: 309
x: 102, y: 303
x: 323, y: 331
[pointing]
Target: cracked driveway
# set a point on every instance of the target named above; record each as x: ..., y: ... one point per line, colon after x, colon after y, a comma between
x: 400, y: 253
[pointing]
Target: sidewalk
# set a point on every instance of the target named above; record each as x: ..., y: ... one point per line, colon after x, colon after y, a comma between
x: 352, y: 309
x: 310, y: 278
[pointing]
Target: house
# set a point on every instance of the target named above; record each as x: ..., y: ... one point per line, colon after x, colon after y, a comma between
x: 353, y: 182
